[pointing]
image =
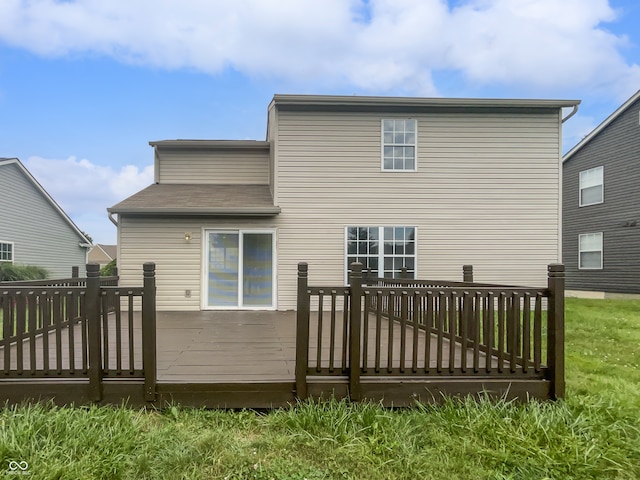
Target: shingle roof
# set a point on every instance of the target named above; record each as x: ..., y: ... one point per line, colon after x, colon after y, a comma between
x: 199, y: 200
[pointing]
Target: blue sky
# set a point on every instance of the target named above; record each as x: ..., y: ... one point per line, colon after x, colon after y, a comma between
x: 86, y: 84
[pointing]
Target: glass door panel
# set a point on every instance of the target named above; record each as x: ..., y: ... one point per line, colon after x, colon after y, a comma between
x: 239, y: 270
x: 257, y: 270
x: 223, y: 269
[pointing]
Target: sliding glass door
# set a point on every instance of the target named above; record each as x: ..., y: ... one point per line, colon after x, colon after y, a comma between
x: 239, y: 269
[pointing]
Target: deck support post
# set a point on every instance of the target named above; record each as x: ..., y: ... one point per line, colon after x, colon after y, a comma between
x: 355, y: 319
x: 92, y: 311
x: 555, y: 338
x: 149, y: 331
x: 467, y: 273
x: 302, y: 331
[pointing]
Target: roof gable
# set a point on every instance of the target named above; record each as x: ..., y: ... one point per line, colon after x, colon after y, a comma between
x: 38, y: 188
x: 610, y: 119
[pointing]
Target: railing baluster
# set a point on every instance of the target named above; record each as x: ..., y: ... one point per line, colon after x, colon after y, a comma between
x: 117, y: 302
x: 526, y: 331
x: 332, y: 337
x: 465, y: 322
x: 20, y: 321
x: 57, y: 322
x: 501, y: 340
x: 69, y: 320
x: 537, y: 334
x: 319, y: 340
x: 477, y: 311
x: 417, y: 315
x: 46, y: 323
x: 490, y: 329
x: 453, y: 320
x: 84, y: 334
x: 429, y: 326
x: 441, y: 319
x: 392, y: 302
x: 33, y: 325
x: 107, y: 306
x: 404, y: 309
x: 378, y: 329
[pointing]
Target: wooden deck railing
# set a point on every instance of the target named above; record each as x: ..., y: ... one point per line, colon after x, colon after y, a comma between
x: 418, y: 328
x: 79, y: 328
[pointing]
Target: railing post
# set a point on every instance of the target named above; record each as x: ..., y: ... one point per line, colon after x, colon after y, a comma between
x: 302, y: 331
x: 149, y: 330
x: 92, y: 311
x: 555, y: 339
x: 467, y: 273
x: 355, y: 320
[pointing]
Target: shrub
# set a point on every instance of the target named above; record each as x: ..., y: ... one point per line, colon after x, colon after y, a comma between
x: 109, y: 269
x: 10, y: 272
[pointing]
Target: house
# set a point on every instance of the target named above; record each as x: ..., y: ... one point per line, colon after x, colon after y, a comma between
x: 601, y: 206
x: 102, y: 254
x: 428, y: 184
x: 34, y: 230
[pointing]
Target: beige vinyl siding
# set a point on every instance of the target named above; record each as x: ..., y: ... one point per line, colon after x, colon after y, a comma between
x: 213, y: 166
x: 179, y: 264
x: 485, y: 193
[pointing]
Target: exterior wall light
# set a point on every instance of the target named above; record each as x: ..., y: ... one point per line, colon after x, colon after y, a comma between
x: 187, y: 236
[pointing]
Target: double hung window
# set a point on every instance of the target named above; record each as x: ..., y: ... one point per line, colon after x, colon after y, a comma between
x: 384, y: 251
x: 6, y: 252
x: 590, y: 251
x: 592, y: 186
x: 399, y: 144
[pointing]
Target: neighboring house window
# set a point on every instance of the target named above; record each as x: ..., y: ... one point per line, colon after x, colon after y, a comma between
x: 382, y: 250
x: 592, y: 186
x: 399, y: 144
x: 590, y: 251
x: 6, y: 252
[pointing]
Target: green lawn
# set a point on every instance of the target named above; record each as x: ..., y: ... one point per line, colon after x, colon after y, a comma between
x: 593, y: 434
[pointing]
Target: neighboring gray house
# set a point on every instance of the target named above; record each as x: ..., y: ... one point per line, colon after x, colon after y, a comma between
x: 601, y: 206
x: 34, y: 230
x: 425, y: 183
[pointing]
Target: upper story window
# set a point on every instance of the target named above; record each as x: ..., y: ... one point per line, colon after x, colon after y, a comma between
x: 592, y: 186
x: 590, y: 251
x: 399, y: 144
x: 6, y: 252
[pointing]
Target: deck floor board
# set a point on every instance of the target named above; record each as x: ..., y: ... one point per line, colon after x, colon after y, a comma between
x: 241, y: 346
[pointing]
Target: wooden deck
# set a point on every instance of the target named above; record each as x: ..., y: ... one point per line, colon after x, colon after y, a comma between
x: 227, y: 347
x: 399, y: 342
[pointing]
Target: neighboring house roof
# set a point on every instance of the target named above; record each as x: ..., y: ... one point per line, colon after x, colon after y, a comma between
x: 84, y: 241
x: 199, y: 200
x: 602, y: 126
x: 109, y: 251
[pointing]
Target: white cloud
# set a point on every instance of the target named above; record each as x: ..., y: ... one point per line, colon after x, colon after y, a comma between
x: 85, y: 190
x: 380, y: 45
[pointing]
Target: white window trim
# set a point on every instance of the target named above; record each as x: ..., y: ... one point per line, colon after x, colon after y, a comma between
x: 601, y: 250
x: 580, y: 188
x: 204, y: 275
x: 381, y: 255
x: 13, y: 251
x: 415, y: 146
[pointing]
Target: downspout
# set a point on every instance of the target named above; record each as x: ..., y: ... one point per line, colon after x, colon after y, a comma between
x: 573, y: 112
x: 112, y: 219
